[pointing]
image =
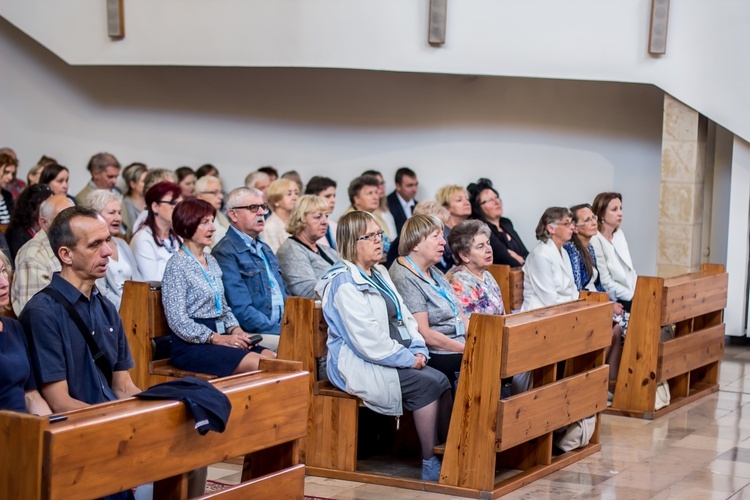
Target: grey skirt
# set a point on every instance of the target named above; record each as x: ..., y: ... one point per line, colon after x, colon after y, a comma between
x: 421, y: 387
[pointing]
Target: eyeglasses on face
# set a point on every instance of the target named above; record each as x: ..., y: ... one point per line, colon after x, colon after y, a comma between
x: 170, y: 202
x: 564, y: 223
x: 589, y: 220
x: 214, y: 192
x: 490, y: 200
x: 255, y: 207
x: 376, y: 236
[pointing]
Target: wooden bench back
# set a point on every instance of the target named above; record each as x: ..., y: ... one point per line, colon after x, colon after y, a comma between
x: 482, y: 424
x: 510, y: 281
x: 111, y: 447
x: 694, y: 304
x: 143, y: 319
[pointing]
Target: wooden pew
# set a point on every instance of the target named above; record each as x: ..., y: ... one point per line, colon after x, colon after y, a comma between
x: 144, y: 321
x: 694, y: 303
x: 486, y: 432
x: 510, y: 281
x: 116, y: 446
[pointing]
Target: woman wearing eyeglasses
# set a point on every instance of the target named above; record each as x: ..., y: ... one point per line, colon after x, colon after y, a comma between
x: 428, y: 294
x: 486, y: 205
x: 303, y: 261
x: 548, y: 273
x: 155, y: 242
x: 374, y: 348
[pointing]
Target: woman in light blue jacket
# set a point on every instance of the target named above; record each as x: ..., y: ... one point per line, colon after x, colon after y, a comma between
x: 374, y: 349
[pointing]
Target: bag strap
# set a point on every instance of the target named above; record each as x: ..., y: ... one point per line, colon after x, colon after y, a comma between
x: 99, y: 359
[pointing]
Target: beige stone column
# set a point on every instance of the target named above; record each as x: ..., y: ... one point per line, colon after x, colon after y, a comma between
x: 683, y: 166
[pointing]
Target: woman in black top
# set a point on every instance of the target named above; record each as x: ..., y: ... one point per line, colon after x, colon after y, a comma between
x: 24, y: 223
x: 486, y: 205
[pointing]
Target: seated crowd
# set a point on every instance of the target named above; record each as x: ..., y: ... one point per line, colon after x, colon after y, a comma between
x: 227, y: 264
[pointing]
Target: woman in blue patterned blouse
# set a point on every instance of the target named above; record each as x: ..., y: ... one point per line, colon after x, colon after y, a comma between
x: 586, y: 277
x: 206, y: 337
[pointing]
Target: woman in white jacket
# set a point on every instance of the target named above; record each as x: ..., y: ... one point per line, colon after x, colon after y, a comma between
x: 613, y: 260
x: 374, y: 349
x: 548, y: 273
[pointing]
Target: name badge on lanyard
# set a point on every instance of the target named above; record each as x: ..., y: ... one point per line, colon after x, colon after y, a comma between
x: 211, y: 279
x: 386, y: 290
x: 460, y: 327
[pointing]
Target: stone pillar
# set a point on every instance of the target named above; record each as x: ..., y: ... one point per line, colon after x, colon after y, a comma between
x: 683, y: 166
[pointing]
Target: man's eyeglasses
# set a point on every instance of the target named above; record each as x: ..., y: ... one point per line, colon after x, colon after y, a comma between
x: 253, y: 208
x: 376, y: 236
x: 593, y: 218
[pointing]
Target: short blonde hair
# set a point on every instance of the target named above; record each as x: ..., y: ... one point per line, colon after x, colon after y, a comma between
x: 351, y: 226
x: 445, y: 193
x: 277, y: 189
x: 432, y: 207
x: 305, y: 205
x: 415, y: 230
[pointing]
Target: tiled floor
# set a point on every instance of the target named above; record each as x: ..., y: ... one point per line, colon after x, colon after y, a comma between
x: 701, y: 451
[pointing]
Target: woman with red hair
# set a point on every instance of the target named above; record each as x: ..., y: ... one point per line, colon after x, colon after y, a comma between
x: 206, y: 336
x: 156, y: 240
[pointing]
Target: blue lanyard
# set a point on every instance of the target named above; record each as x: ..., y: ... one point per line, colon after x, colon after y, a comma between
x: 436, y: 286
x: 210, y: 278
x: 382, y: 287
x: 256, y: 248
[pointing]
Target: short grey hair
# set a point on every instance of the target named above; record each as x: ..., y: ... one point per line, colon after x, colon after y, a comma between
x: 202, y: 183
x: 238, y: 193
x: 432, y: 207
x: 100, y: 198
x: 462, y: 236
x: 550, y: 216
x: 256, y: 176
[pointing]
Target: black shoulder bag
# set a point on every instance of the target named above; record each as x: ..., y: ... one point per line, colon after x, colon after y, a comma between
x: 99, y: 359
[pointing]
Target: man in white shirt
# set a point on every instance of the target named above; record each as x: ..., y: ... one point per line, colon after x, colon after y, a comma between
x: 402, y: 201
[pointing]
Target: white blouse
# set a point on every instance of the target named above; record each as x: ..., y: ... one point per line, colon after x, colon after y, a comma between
x: 150, y: 257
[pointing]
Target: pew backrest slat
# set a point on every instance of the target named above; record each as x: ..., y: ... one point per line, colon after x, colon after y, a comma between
x: 692, y: 295
x: 544, y: 336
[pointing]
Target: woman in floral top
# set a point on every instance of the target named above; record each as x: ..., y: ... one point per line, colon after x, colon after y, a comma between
x: 475, y: 287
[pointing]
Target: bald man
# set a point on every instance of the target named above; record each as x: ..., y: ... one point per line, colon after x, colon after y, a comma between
x: 35, y: 261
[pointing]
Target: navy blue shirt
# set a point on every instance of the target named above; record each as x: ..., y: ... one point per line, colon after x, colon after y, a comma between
x: 58, y: 350
x: 15, y: 370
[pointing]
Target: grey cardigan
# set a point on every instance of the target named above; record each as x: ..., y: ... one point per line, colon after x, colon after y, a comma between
x: 302, y: 268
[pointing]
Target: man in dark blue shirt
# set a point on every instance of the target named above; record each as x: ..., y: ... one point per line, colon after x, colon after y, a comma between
x: 65, y: 369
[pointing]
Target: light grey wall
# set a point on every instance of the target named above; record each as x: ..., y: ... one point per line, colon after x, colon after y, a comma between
x: 543, y: 142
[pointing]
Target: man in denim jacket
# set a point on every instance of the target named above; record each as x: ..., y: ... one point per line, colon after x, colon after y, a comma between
x: 254, y: 287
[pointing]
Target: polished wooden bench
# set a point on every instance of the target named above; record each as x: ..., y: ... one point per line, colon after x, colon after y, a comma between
x: 112, y: 447
x: 510, y: 281
x: 694, y: 303
x: 486, y: 432
x: 144, y: 321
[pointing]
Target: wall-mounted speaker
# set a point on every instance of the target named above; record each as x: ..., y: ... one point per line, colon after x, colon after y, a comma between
x: 657, y: 37
x: 115, y: 19
x: 438, y: 12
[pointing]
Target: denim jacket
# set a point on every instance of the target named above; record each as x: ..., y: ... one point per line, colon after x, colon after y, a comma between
x: 246, y: 284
